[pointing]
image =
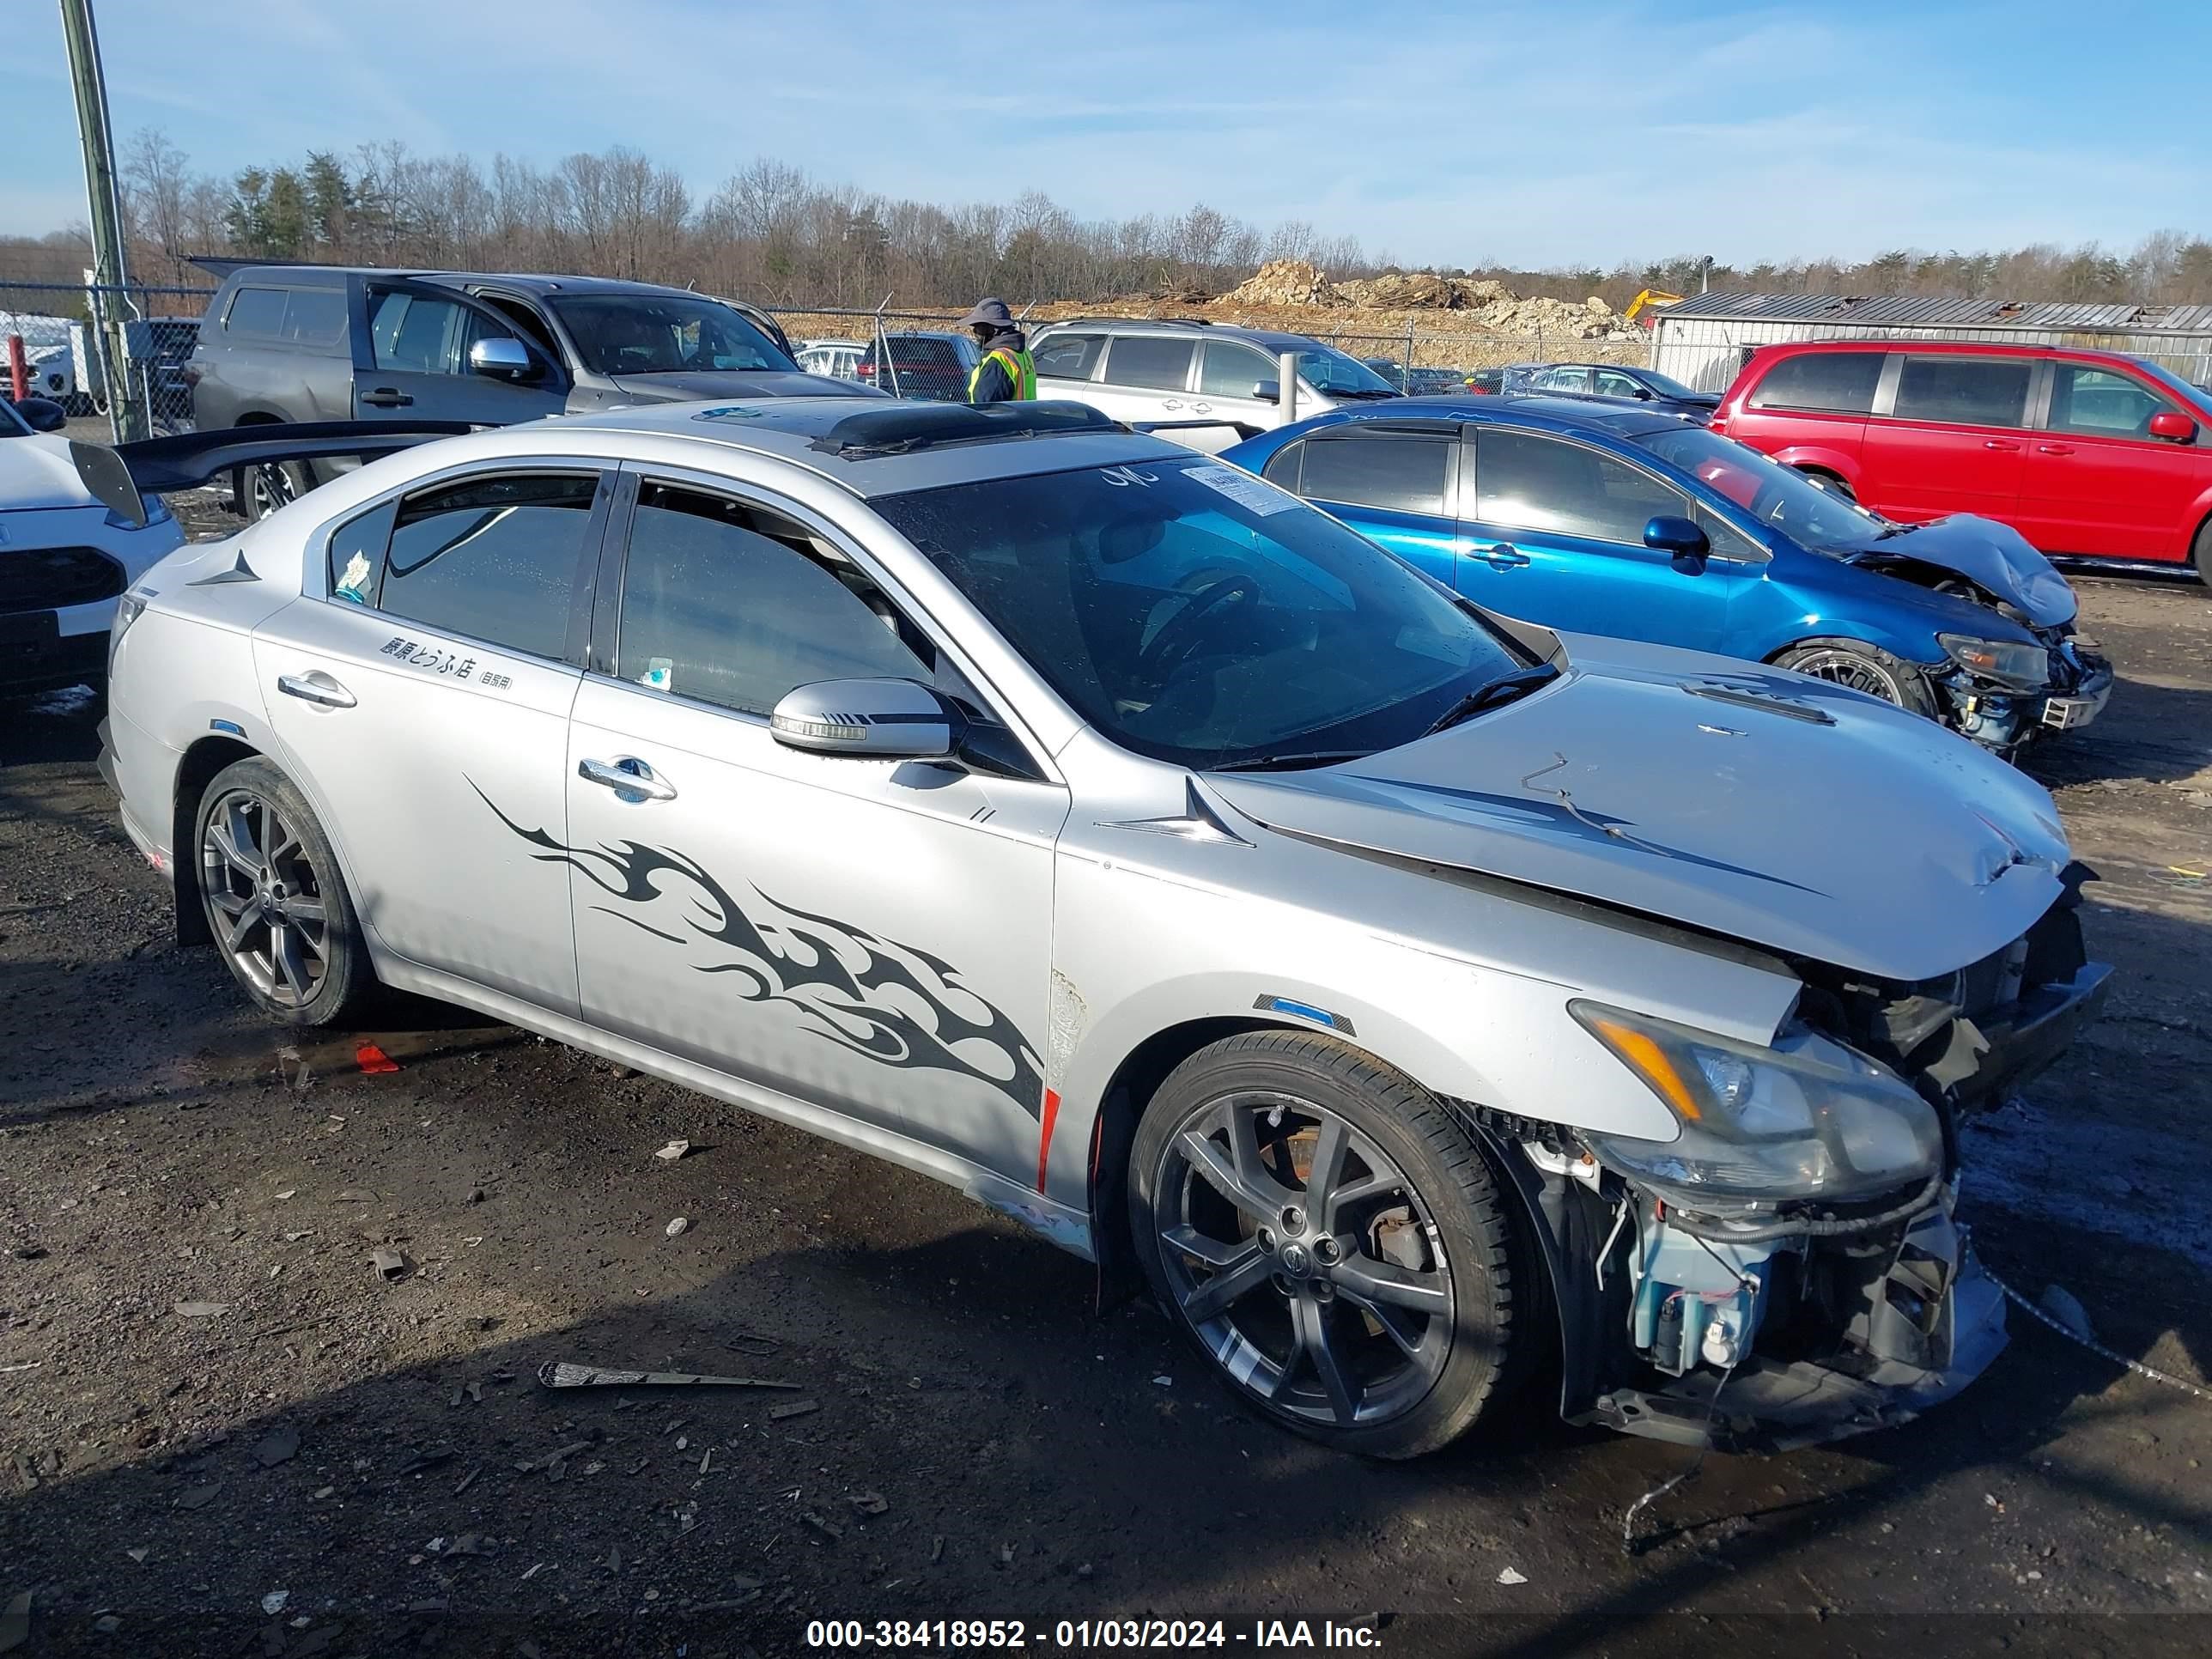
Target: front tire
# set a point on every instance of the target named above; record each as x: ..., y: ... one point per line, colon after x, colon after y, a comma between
x: 274, y: 898
x: 1829, y: 482
x: 1325, y: 1233
x: 1862, y: 667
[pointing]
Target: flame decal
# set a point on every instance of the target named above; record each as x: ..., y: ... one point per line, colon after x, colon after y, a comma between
x: 833, y: 974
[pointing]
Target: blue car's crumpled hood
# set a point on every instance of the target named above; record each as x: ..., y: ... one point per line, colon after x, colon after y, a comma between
x: 1872, y: 840
x: 1994, y: 556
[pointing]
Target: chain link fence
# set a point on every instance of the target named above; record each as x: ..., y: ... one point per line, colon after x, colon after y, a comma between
x: 100, y: 350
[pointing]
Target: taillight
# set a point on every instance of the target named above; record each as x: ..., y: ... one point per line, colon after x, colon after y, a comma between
x: 867, y: 371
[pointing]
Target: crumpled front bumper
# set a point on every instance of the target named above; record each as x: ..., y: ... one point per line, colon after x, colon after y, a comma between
x: 2078, y: 707
x: 1932, y: 1323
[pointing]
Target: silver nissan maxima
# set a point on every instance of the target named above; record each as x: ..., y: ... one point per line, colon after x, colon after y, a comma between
x: 1405, y: 994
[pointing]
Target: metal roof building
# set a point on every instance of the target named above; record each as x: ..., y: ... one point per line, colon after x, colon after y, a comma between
x: 1705, y: 339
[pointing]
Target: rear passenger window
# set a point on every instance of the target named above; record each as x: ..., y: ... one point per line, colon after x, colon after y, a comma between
x: 1398, y: 474
x: 357, y: 556
x: 1841, y: 382
x: 1146, y: 360
x: 736, y: 605
x: 1069, y: 356
x: 315, y: 316
x: 1282, y: 468
x: 255, y: 311
x: 1528, y: 482
x: 1965, y: 391
x: 494, y: 559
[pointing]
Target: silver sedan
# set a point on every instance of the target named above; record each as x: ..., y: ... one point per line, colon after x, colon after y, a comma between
x: 1396, y: 990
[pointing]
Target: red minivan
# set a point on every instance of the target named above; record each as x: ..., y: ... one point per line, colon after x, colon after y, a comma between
x: 2092, y: 453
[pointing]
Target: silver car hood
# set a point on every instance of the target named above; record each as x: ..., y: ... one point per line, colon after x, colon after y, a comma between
x: 1776, y: 810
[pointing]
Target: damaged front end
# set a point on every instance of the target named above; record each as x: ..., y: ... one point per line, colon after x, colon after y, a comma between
x: 1788, y: 1269
x: 2002, y: 697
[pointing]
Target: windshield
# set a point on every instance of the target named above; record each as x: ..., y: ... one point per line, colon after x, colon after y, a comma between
x: 12, y: 425
x: 664, y: 334
x: 1666, y: 384
x: 1773, y: 494
x: 2195, y: 398
x: 1332, y: 373
x: 1194, y: 614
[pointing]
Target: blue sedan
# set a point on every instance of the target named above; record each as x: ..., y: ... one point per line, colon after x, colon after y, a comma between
x: 1649, y: 526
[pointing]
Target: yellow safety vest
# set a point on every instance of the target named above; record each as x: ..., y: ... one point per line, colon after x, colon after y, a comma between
x: 1019, y: 369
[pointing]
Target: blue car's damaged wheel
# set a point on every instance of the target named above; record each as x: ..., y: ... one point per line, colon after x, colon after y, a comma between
x: 1330, y: 1237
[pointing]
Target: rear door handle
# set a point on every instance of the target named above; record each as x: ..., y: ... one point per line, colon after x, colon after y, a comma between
x: 385, y: 397
x: 2054, y: 449
x: 1172, y: 402
x: 1999, y: 443
x: 1505, y: 556
x: 316, y: 687
x: 629, y: 777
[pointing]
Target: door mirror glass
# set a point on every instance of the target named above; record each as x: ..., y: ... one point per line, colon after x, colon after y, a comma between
x: 2174, y: 429
x: 1680, y: 538
x: 1267, y: 392
x: 500, y: 357
x: 873, y: 719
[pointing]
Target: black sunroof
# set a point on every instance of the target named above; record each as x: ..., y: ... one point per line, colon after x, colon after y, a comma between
x: 904, y: 427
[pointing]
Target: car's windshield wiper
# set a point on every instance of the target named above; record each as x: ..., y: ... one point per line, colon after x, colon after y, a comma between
x: 1493, y: 695
x: 1887, y: 531
x: 1292, y: 762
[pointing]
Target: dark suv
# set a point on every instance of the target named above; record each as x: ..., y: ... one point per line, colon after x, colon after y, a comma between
x: 308, y: 342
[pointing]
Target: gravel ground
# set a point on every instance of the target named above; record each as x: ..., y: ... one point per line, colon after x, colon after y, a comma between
x: 329, y: 1462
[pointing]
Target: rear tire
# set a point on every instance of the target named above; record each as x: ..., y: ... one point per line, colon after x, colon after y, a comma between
x: 1830, y: 481
x: 1862, y: 667
x: 1374, y: 1311
x: 261, y: 489
x: 274, y: 898
x: 2202, y: 553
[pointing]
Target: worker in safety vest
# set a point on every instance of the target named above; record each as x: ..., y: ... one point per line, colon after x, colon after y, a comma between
x: 1005, y: 373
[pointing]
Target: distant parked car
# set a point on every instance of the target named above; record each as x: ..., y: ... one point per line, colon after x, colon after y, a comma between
x: 1423, y: 382
x: 1172, y: 371
x: 1615, y: 519
x: 1389, y: 369
x: 310, y: 343
x: 838, y: 358
x: 47, y: 356
x: 2085, y: 452
x: 928, y: 365
x: 1483, y: 382
x: 1619, y: 384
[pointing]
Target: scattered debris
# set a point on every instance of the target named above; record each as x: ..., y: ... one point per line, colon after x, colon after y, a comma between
x: 536, y: 1568
x: 936, y: 1548
x: 138, y: 1555
x: 356, y: 1196
x: 869, y: 1503
x: 107, y: 1623
x: 373, y: 1061
x: 614, y: 1558
x: 29, y: 1253
x: 290, y: 1192
x: 1508, y: 1575
x: 1164, y: 1381
x: 16, y: 1622
x: 553, y: 1460
x: 28, y: 1365
x: 672, y: 1151
x: 794, y: 1408
x: 679, y: 1226
x: 827, y: 1529
x: 198, y: 1497
x: 423, y: 1462
x: 2060, y: 1304
x: 390, y: 1266
x: 564, y: 1374
x: 203, y: 1309
x: 468, y: 1479
x: 280, y: 1447
x: 273, y: 1603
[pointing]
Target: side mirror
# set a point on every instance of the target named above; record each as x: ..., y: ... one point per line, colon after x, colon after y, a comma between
x: 1644, y: 392
x: 43, y: 413
x: 1679, y: 539
x: 870, y: 720
x: 2174, y: 429
x: 502, y: 359
x: 1267, y: 392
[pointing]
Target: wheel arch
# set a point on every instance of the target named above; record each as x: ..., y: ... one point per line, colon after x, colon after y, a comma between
x: 195, y: 771
x: 1818, y: 458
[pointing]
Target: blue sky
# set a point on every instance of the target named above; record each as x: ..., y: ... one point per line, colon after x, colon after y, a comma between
x: 1531, y: 134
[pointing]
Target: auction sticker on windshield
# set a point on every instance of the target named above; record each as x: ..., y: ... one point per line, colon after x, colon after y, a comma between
x: 1242, y: 488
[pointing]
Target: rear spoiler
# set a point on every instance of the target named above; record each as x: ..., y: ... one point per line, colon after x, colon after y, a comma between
x: 121, y: 477
x: 1241, y: 429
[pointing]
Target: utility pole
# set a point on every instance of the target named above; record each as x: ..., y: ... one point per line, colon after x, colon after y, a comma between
x: 126, y: 416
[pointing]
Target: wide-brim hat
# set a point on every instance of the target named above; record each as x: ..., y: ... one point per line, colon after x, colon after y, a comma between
x: 991, y: 313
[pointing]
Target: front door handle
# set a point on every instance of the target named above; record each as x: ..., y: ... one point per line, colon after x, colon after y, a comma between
x: 1999, y: 443
x: 316, y: 687
x: 385, y: 397
x: 2054, y: 449
x: 1505, y: 556
x: 1172, y: 402
x: 629, y: 777
x: 1201, y: 409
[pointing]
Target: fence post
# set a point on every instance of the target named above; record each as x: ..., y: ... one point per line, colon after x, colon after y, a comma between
x: 1286, y: 386
x: 19, y: 369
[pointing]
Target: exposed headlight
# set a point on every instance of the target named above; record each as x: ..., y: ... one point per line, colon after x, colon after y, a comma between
x: 2027, y: 665
x: 157, y: 512
x: 129, y: 607
x: 1808, y: 1118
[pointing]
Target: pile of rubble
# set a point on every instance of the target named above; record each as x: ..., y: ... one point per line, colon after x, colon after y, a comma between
x: 1484, y: 305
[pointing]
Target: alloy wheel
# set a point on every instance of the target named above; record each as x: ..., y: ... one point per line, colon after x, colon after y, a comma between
x: 266, y: 898
x: 1850, y: 670
x: 1305, y: 1259
x: 271, y: 488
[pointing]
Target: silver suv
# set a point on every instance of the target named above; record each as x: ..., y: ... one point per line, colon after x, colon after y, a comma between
x: 1408, y: 996
x: 1220, y: 383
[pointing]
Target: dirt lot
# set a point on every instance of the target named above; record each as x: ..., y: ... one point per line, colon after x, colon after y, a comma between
x: 331, y: 1464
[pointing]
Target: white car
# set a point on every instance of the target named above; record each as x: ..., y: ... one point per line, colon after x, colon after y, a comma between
x: 64, y: 559
x: 839, y: 359
x: 1209, y: 384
